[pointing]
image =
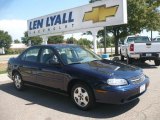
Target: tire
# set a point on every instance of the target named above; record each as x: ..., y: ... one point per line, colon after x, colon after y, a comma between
x: 122, y: 57
x: 142, y: 61
x: 18, y: 82
x: 129, y: 60
x: 82, y: 96
x: 157, y: 62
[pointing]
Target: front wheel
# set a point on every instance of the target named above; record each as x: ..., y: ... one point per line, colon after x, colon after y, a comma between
x: 18, y: 83
x: 157, y: 62
x: 142, y: 61
x: 82, y: 96
x: 122, y: 57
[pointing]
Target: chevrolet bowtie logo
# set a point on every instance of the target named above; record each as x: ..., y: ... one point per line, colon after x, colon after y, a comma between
x: 99, y: 14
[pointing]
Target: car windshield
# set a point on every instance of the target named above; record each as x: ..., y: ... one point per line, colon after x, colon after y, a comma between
x: 76, y: 54
x: 138, y: 39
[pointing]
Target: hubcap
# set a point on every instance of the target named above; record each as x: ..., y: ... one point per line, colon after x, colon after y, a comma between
x: 17, y: 81
x: 81, y: 97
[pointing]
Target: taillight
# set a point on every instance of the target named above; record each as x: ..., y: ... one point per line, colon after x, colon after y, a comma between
x: 131, y: 47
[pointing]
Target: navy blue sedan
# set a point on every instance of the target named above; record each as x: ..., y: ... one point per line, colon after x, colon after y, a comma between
x: 78, y: 72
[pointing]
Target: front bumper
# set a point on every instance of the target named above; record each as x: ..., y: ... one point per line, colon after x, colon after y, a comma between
x: 121, y: 94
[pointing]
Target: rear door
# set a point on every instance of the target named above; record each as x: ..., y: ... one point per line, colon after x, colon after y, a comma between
x: 28, y: 66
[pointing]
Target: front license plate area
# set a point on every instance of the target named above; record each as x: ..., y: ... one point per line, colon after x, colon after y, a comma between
x: 142, y: 88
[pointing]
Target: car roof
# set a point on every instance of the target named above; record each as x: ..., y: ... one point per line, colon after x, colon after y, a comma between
x: 56, y: 45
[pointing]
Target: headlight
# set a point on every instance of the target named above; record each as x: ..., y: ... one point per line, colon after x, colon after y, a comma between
x: 117, y: 82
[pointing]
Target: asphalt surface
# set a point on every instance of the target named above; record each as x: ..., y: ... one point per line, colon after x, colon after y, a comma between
x: 37, y: 104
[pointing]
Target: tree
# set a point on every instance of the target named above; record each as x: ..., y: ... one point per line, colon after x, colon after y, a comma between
x: 84, y: 42
x: 55, y: 39
x: 153, y: 15
x: 5, y: 40
x: 142, y: 14
x: 109, y: 41
x: 34, y: 40
x: 16, y: 41
x: 71, y: 40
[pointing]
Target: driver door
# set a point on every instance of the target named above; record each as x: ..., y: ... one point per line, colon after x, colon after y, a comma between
x: 50, y: 72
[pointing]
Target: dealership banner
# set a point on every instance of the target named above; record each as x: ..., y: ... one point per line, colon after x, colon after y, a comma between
x: 98, y: 14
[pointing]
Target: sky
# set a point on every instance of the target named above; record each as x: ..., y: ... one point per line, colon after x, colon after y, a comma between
x: 15, y: 13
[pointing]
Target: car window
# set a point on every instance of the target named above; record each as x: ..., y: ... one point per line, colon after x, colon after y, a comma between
x: 48, y: 56
x: 72, y: 55
x: 31, y: 55
x: 138, y: 39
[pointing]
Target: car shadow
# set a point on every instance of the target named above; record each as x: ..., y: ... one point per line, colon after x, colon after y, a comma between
x: 64, y: 104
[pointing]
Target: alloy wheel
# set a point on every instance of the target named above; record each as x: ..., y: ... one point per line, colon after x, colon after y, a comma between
x: 18, y: 81
x: 81, y: 97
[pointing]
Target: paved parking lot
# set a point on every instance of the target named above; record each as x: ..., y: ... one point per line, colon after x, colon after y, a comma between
x: 36, y: 104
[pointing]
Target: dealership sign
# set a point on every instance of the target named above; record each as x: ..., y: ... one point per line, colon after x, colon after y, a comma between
x: 98, y: 14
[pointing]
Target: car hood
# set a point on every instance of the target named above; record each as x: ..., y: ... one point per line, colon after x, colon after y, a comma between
x: 108, y: 69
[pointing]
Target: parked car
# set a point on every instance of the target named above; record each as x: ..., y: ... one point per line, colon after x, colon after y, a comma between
x: 78, y: 72
x: 140, y: 48
x: 157, y: 39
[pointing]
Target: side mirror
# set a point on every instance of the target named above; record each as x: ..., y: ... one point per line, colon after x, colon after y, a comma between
x: 120, y: 43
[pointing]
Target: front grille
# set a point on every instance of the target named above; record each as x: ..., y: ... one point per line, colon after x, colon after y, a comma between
x: 138, y: 79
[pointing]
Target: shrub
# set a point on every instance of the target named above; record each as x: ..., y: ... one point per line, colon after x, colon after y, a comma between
x: 14, y: 51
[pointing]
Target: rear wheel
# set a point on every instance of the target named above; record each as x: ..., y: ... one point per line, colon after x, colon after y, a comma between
x: 157, y: 62
x: 122, y: 57
x: 18, y: 83
x: 82, y: 96
x: 142, y: 61
x: 129, y: 60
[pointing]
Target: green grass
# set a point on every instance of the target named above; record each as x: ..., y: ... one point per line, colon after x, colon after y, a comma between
x: 3, y: 68
x: 2, y: 72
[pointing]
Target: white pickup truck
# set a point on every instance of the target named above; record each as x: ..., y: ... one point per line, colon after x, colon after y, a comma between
x: 157, y: 39
x: 140, y: 48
